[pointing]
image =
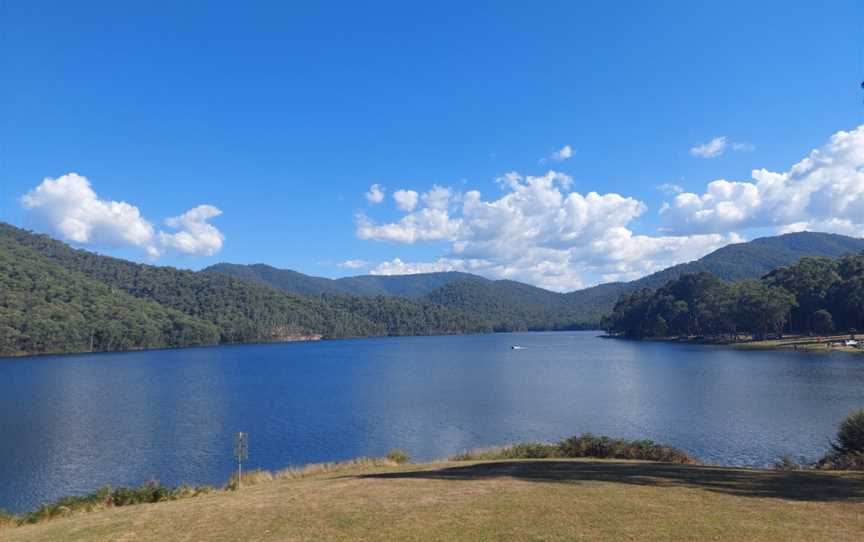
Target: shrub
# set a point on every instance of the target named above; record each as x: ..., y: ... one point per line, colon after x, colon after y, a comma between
x: 850, y: 461
x: 586, y: 445
x: 847, y: 450
x: 398, y: 456
x: 850, y: 435
x: 525, y: 450
x: 786, y: 463
x: 105, y: 497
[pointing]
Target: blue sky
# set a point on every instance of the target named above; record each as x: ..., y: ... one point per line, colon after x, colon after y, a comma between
x: 281, y: 116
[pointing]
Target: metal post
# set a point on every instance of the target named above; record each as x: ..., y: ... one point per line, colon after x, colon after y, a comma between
x: 241, y: 452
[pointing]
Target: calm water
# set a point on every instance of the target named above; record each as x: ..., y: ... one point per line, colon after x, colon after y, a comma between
x: 69, y: 424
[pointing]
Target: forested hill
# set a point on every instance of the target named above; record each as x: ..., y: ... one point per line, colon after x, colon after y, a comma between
x: 816, y: 294
x: 58, y: 299
x: 409, y: 286
x: 758, y: 257
x: 514, y: 305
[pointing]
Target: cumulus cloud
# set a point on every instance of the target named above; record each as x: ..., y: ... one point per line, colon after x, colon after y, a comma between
x: 538, y: 231
x: 195, y: 235
x: 712, y: 149
x: 69, y: 208
x: 406, y: 200
x: 375, y: 195
x: 825, y: 191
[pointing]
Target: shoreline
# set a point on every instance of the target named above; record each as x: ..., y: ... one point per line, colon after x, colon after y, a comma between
x: 320, y: 338
x: 791, y: 343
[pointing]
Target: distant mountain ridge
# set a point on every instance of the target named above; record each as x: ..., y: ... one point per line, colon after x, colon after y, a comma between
x: 578, y: 308
x: 410, y: 286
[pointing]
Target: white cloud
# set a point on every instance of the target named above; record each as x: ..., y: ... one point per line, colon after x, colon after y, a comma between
x: 824, y: 190
x: 564, y: 153
x: 438, y: 198
x: 712, y: 149
x: 69, y: 208
x: 406, y: 200
x: 832, y: 225
x: 375, y: 195
x: 398, y: 267
x: 718, y: 146
x: 424, y: 225
x: 537, y: 232
x: 353, y: 264
x: 196, y: 236
x: 670, y: 189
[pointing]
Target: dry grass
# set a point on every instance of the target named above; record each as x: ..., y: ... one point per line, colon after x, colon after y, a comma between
x: 500, y: 500
x: 317, y: 469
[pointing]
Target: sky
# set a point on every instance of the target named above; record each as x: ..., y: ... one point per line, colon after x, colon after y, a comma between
x: 562, y: 144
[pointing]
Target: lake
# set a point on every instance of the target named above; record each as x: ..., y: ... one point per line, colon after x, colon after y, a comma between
x: 69, y: 424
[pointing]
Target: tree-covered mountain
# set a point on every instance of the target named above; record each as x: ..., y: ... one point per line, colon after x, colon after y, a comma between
x: 47, y: 308
x: 754, y: 259
x: 816, y: 294
x: 739, y: 261
x: 208, y: 307
x: 409, y: 286
x: 510, y: 305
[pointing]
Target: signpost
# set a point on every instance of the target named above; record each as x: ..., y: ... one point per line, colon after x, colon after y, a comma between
x: 241, y: 452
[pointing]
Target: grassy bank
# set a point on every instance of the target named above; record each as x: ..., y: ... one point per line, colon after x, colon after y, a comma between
x: 539, y: 499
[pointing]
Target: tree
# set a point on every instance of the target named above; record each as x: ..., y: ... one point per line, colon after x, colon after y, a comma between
x: 764, y: 308
x: 822, y: 322
x: 810, y: 280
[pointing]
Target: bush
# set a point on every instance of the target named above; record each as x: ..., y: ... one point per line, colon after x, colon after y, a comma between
x: 850, y: 435
x: 398, y: 456
x: 851, y: 461
x: 847, y: 450
x: 525, y: 450
x: 786, y: 463
x: 105, y: 497
x: 586, y: 445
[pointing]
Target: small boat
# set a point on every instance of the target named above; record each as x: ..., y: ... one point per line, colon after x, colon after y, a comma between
x: 851, y: 342
x: 517, y: 347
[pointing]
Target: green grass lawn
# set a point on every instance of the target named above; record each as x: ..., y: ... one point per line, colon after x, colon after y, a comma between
x: 499, y: 500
